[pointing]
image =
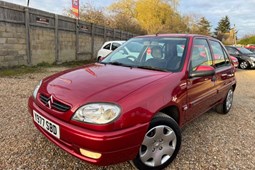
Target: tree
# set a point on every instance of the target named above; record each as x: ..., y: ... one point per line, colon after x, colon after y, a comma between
x: 157, y: 16
x: 123, y: 16
x: 204, y: 26
x: 147, y: 16
x: 141, y: 17
x: 223, y: 26
x: 174, y: 4
x: 247, y: 39
x: 89, y: 13
x: 125, y: 23
x: 123, y: 7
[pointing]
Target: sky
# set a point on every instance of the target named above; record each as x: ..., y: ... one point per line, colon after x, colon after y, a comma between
x: 239, y: 12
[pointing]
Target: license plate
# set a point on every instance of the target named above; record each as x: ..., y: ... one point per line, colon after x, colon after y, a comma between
x: 46, y: 124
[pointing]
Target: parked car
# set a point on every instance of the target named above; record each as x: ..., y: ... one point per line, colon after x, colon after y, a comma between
x: 235, y: 61
x: 107, y: 48
x: 132, y: 107
x: 251, y: 48
x: 245, y: 57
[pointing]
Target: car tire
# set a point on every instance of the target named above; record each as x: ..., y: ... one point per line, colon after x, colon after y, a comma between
x: 98, y: 58
x: 161, y: 144
x: 244, y: 65
x: 225, y: 107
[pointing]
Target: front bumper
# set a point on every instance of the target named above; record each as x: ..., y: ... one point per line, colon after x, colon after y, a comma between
x: 117, y: 146
x: 252, y: 64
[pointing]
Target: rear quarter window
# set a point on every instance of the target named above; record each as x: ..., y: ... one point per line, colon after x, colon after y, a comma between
x: 107, y: 46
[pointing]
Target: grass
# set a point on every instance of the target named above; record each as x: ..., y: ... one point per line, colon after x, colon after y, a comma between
x: 21, y: 70
x: 15, y: 71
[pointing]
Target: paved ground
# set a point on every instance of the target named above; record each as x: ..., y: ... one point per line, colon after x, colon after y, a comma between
x: 212, y: 141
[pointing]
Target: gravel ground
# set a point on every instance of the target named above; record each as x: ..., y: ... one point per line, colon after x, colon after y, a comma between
x: 212, y: 141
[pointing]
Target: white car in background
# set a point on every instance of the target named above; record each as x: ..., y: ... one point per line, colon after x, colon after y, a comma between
x: 107, y: 48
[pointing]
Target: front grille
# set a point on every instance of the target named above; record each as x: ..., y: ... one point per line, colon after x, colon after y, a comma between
x: 54, y: 104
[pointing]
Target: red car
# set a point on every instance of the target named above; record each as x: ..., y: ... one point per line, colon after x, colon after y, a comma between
x: 132, y: 106
x: 251, y: 48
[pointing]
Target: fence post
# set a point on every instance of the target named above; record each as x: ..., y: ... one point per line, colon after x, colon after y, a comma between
x: 105, y: 34
x: 27, y: 25
x: 92, y: 40
x: 56, y: 40
x: 114, y: 34
x: 77, y: 43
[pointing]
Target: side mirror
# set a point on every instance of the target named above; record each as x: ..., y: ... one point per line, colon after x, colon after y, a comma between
x: 203, y: 71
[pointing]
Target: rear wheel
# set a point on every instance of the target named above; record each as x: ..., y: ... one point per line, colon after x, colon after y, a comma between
x: 244, y: 65
x: 225, y: 107
x: 160, y: 145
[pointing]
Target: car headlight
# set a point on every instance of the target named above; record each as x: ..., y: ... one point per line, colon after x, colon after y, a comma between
x: 252, y: 58
x: 36, y: 89
x: 97, y: 113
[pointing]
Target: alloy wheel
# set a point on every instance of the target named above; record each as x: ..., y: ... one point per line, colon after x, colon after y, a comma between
x: 243, y: 65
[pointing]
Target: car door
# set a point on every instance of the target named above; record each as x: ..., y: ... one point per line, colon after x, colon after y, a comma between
x: 223, y: 68
x: 105, y: 50
x: 201, y: 90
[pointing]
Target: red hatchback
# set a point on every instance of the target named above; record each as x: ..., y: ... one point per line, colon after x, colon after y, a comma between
x: 132, y: 104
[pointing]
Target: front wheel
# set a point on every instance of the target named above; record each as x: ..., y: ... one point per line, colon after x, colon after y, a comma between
x: 244, y: 65
x: 161, y: 144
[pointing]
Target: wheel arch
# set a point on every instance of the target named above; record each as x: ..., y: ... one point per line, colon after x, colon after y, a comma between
x: 234, y: 87
x: 173, y: 112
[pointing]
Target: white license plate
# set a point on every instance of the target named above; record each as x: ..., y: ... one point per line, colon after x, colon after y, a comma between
x: 46, y: 124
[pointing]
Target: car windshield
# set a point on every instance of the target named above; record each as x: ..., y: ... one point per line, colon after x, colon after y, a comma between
x: 244, y: 50
x: 157, y: 53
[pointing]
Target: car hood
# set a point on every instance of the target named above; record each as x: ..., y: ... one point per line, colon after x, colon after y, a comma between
x: 98, y: 83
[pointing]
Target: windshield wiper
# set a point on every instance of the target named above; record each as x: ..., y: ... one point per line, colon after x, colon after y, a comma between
x: 152, y: 68
x: 118, y: 64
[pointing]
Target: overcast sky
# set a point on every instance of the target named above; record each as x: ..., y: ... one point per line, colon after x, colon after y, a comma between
x: 241, y: 13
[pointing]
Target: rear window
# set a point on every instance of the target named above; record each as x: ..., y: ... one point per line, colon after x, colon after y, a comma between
x: 107, y: 46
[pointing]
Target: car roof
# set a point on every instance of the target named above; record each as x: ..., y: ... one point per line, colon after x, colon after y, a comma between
x: 117, y: 41
x: 250, y: 47
x: 234, y: 46
x: 175, y: 35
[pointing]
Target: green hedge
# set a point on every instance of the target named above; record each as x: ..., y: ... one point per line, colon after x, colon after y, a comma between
x: 245, y: 41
